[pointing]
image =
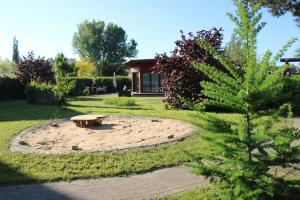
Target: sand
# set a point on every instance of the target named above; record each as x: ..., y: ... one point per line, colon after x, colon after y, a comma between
x: 117, y: 132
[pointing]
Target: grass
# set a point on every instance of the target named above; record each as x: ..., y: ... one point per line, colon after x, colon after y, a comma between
x: 18, y: 168
x: 120, y: 101
x: 206, y: 193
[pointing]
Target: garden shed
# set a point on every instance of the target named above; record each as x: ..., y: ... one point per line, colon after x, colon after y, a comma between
x: 144, y: 81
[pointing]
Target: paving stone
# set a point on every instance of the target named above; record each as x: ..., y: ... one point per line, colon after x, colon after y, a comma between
x: 161, y: 183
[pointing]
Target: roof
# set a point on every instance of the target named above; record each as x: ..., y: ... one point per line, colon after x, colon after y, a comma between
x: 139, y: 61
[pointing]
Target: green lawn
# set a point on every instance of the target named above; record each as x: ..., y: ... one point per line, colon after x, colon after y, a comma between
x: 206, y: 193
x: 19, y: 168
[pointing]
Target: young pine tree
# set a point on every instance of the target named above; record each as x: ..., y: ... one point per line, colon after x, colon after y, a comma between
x: 244, y: 154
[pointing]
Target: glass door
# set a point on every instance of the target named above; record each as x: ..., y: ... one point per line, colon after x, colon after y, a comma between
x: 136, y: 84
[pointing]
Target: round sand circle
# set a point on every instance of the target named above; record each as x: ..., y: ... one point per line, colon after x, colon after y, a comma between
x: 116, y: 133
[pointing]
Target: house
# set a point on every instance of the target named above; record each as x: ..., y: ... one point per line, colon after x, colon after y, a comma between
x: 143, y: 80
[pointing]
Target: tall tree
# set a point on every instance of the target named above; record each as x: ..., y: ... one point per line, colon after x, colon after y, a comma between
x: 15, y: 55
x: 233, y: 51
x: 241, y: 154
x: 280, y: 7
x: 103, y: 44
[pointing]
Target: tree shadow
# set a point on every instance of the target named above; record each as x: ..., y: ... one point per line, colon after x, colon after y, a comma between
x: 109, y: 107
x: 20, y: 110
x: 26, y: 191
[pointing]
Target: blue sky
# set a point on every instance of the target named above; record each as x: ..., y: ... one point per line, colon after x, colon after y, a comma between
x: 47, y: 26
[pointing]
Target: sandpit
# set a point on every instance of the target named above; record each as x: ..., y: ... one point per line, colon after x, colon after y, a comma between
x: 116, y: 133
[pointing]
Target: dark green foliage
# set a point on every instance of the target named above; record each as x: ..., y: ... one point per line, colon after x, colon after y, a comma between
x: 242, y: 155
x: 15, y: 55
x: 40, y: 93
x: 82, y: 83
x: 288, y: 93
x: 31, y: 68
x: 103, y: 44
x: 11, y: 88
x: 280, y: 7
x: 119, y: 69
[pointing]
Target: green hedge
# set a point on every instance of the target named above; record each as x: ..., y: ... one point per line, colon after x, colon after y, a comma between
x: 291, y: 92
x: 11, y: 88
x: 40, y: 93
x: 82, y: 83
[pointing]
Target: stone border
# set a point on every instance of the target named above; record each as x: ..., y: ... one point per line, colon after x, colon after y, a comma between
x: 15, y: 145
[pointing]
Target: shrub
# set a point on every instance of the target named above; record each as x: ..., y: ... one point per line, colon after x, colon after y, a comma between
x: 44, y: 93
x: 82, y: 83
x: 62, y: 90
x: 181, y: 78
x: 291, y: 92
x: 119, y: 101
x: 35, y: 69
x: 40, y: 93
x: 11, y: 88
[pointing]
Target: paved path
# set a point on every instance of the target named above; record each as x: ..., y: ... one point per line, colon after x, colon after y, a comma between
x: 146, y: 186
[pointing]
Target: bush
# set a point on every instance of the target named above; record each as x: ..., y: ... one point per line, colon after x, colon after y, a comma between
x: 291, y: 92
x: 11, y: 88
x: 181, y: 79
x: 119, y: 101
x: 43, y: 93
x: 37, y: 69
x: 82, y: 83
x: 62, y: 90
x: 40, y: 93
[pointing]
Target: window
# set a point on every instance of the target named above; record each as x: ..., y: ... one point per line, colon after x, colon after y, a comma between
x: 150, y: 82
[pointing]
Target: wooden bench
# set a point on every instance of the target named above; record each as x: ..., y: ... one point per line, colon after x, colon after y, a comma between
x: 88, y: 120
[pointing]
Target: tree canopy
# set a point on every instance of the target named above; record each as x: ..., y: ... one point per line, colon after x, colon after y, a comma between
x: 280, y: 7
x: 103, y: 44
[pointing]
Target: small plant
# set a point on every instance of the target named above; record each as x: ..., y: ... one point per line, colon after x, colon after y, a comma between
x: 62, y: 90
x: 119, y: 101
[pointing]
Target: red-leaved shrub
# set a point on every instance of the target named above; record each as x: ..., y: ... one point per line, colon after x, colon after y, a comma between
x: 181, y: 78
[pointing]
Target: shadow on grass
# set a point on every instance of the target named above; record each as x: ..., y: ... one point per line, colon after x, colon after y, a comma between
x: 27, y: 191
x: 287, y: 189
x: 20, y: 110
x: 110, y: 107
